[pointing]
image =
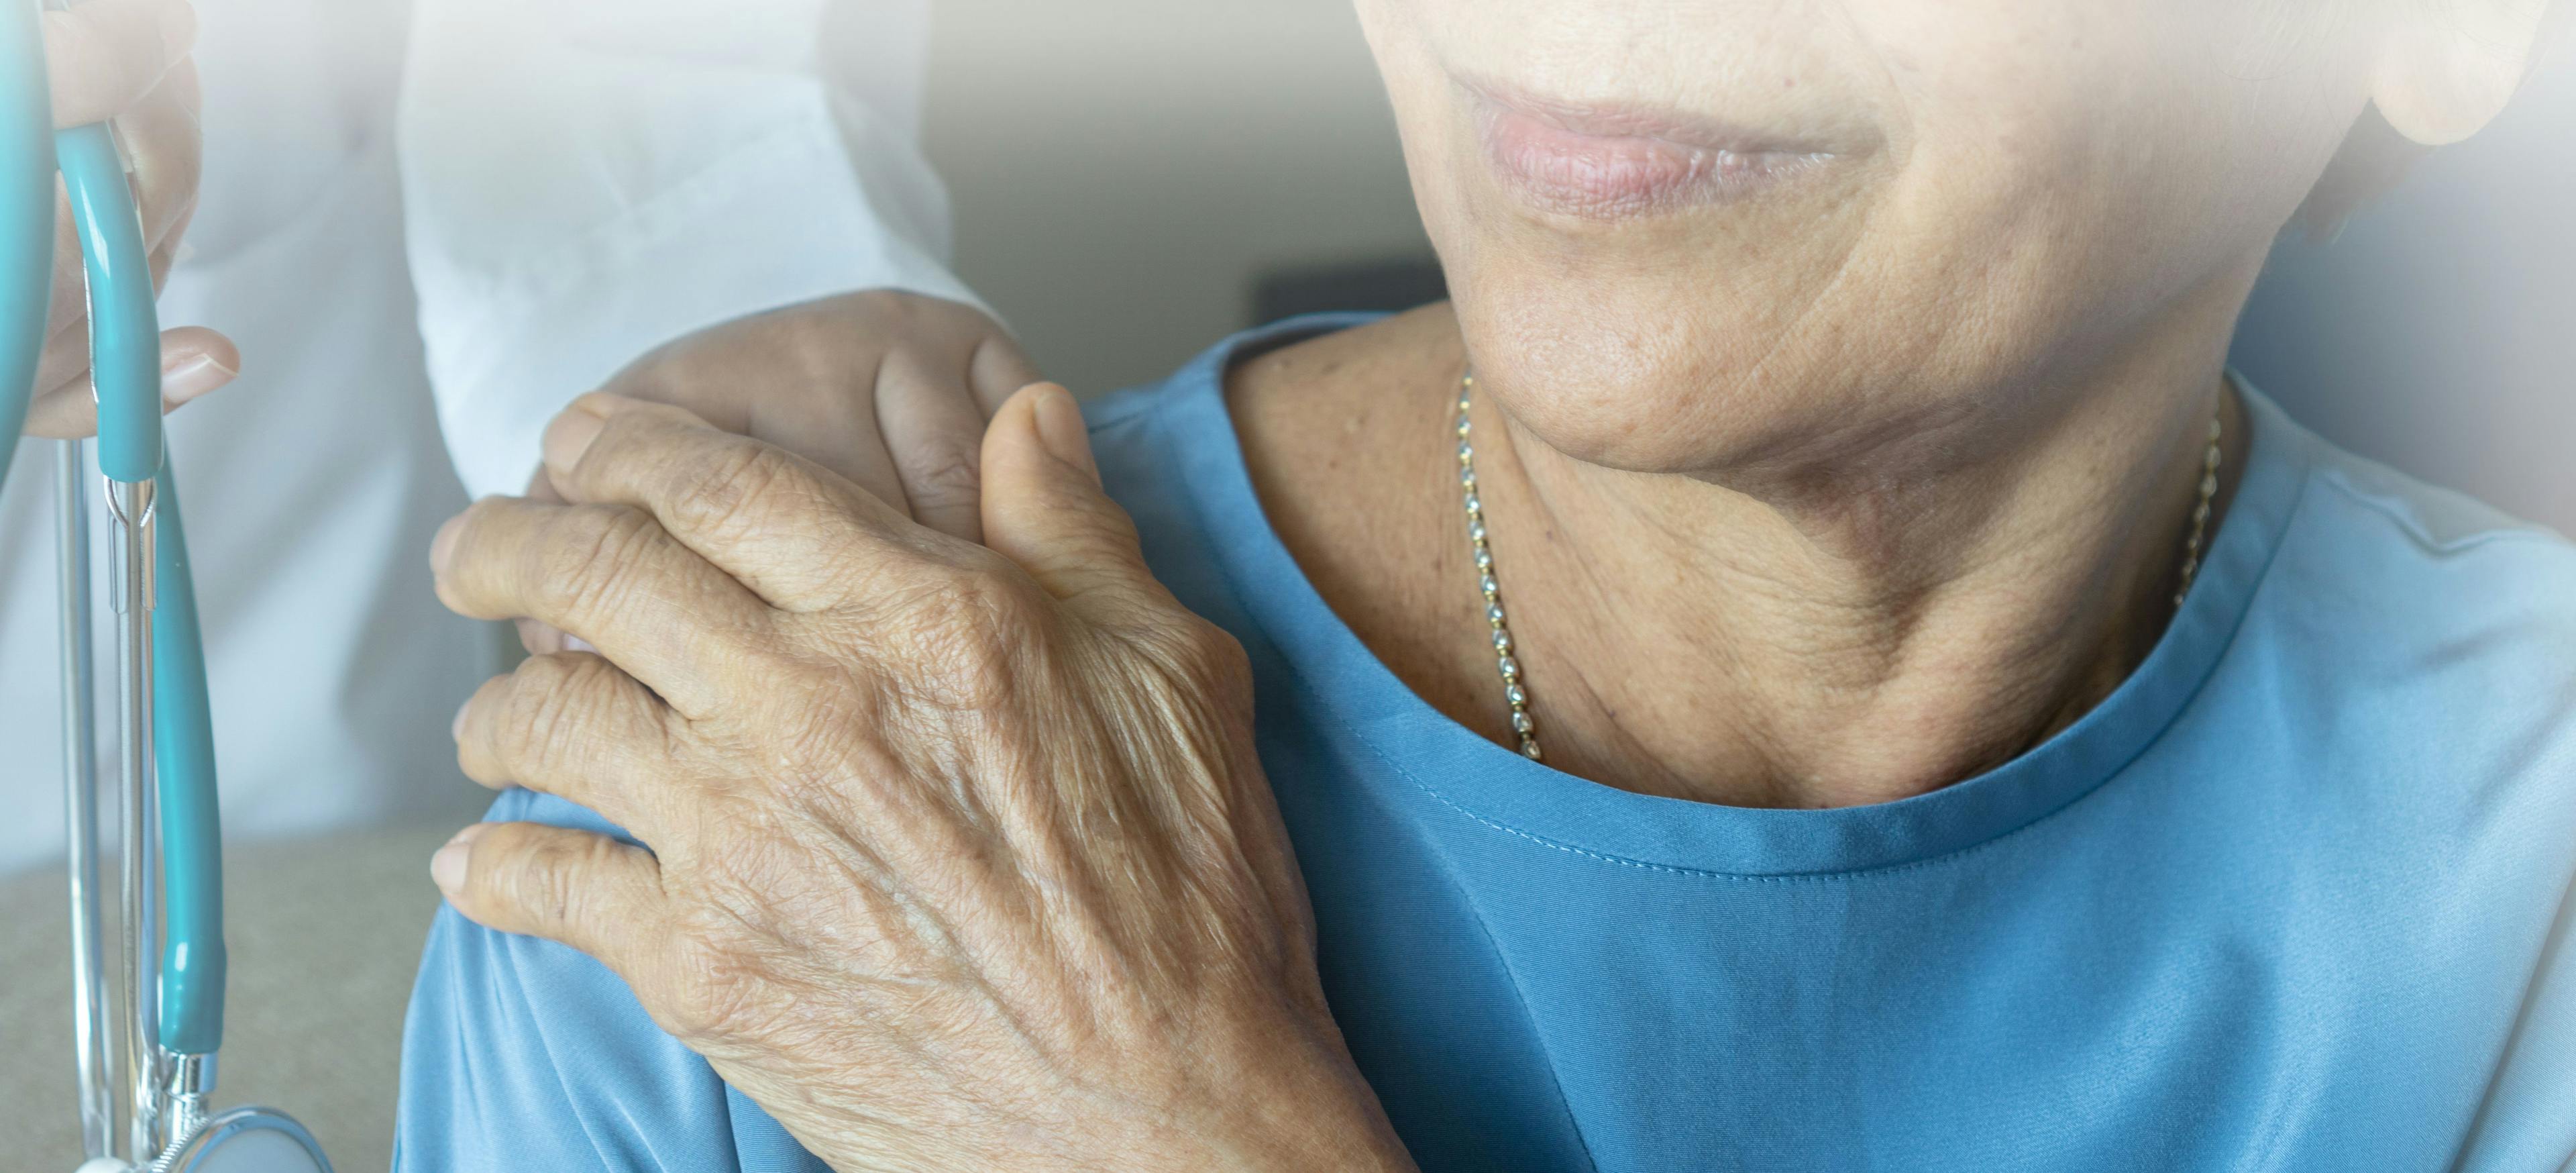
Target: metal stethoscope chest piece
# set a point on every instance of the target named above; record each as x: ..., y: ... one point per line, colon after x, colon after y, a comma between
x: 145, y: 1039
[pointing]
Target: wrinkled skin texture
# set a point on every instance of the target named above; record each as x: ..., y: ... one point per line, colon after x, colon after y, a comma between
x: 961, y: 858
x: 887, y: 388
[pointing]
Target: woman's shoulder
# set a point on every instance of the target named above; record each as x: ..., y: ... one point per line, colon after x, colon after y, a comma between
x: 2411, y: 560
x: 1302, y: 415
x: 2428, y: 618
x: 1290, y: 457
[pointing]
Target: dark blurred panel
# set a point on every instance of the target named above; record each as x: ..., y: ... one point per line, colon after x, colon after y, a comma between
x: 2437, y: 332
x: 1385, y: 284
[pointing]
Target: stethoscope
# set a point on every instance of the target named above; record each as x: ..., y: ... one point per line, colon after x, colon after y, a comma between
x: 145, y: 1040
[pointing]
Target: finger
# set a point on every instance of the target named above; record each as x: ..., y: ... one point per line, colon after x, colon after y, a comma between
x: 836, y: 431
x: 538, y: 638
x: 997, y: 370
x: 66, y: 355
x: 162, y: 137
x: 194, y: 362
x: 805, y: 394
x: 166, y: 254
x: 573, y: 725
x: 934, y: 435
x: 68, y: 303
x: 610, y: 575
x: 103, y: 56
x: 578, y: 888
x: 791, y: 532
x: 1044, y: 508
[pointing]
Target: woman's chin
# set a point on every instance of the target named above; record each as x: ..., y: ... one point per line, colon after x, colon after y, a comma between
x: 1652, y: 426
x: 1663, y: 394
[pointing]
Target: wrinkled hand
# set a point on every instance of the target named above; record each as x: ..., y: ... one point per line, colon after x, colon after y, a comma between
x: 889, y: 389
x: 126, y: 60
x: 960, y: 857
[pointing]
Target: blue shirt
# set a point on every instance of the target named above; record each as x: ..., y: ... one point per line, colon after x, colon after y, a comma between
x: 2290, y: 898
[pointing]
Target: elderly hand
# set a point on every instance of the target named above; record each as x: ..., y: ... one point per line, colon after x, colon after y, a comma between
x: 960, y: 857
x: 889, y: 389
x: 126, y: 60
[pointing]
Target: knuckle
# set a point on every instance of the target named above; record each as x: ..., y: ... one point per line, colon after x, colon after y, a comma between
x: 586, y: 556
x: 1198, y: 655
x: 726, y: 494
x: 965, y: 636
x: 941, y: 472
x: 543, y: 876
x: 706, y: 996
x: 547, y: 888
x: 1107, y: 536
x: 1211, y: 655
x: 546, y: 707
x: 507, y: 868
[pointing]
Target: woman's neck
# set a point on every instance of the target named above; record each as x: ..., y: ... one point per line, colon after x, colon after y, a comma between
x: 1824, y: 634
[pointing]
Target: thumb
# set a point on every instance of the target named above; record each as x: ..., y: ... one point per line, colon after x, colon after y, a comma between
x: 194, y: 361
x: 1043, y: 506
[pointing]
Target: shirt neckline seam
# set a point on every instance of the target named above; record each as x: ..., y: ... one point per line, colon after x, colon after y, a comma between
x: 2109, y: 778
x: 1226, y: 546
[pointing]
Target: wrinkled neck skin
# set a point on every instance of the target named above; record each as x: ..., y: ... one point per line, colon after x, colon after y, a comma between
x: 1876, y: 619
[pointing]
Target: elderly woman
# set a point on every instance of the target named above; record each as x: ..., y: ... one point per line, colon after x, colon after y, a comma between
x: 1808, y: 663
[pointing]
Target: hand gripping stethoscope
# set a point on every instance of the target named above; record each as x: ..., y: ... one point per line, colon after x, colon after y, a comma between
x: 168, y: 1011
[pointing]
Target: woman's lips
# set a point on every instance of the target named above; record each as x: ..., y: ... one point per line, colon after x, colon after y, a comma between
x: 1612, y: 163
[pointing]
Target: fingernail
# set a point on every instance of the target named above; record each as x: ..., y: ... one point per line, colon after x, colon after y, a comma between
x: 447, y: 868
x: 194, y: 377
x: 456, y: 728
x: 444, y: 544
x: 1062, y: 430
x: 568, y: 437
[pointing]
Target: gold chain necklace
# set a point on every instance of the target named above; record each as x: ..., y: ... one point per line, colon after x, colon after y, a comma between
x: 1516, y: 693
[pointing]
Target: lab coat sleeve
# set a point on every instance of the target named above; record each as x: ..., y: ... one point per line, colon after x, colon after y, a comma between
x: 583, y: 182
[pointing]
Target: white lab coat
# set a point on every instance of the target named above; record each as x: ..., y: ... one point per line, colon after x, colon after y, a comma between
x: 429, y: 225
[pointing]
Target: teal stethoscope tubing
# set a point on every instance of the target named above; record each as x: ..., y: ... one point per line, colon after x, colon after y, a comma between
x: 125, y: 329
x: 125, y: 348
x: 183, y: 735
x: 26, y: 215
